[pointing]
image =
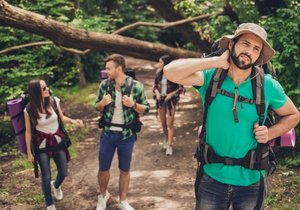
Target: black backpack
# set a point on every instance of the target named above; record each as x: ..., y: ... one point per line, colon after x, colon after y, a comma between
x: 136, y: 123
x: 262, y: 158
x: 268, y: 68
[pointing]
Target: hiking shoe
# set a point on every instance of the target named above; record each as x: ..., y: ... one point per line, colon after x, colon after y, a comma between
x: 58, y: 194
x: 102, y: 200
x: 124, y: 205
x: 165, y: 145
x: 51, y: 207
x: 169, y: 150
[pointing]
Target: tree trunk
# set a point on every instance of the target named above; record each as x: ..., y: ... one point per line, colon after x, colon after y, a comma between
x: 76, y: 4
x: 64, y: 35
x: 81, y: 77
x: 229, y: 11
x: 165, y: 9
x: 266, y: 7
x: 77, y: 57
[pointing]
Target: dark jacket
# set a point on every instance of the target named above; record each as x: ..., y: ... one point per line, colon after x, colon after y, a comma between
x: 171, y: 86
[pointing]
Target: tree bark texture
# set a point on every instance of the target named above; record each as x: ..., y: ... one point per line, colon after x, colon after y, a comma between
x: 63, y: 35
x: 81, y: 77
x: 165, y: 9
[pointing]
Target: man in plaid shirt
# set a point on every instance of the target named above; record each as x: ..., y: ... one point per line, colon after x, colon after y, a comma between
x: 118, y: 110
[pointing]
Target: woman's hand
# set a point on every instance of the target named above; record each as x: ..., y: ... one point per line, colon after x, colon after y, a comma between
x: 78, y: 122
x: 157, y: 94
x: 30, y: 157
x: 168, y: 97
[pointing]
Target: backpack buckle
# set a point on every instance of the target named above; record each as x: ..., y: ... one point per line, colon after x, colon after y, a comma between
x: 228, y: 161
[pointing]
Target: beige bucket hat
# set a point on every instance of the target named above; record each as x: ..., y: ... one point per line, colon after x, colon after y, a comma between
x: 267, y: 51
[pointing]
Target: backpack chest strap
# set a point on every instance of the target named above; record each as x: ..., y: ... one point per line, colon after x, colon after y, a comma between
x: 239, y: 98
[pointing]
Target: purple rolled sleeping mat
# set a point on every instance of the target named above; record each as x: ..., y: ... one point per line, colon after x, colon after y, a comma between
x: 16, y: 112
x: 103, y: 74
x: 286, y: 140
x: 131, y: 73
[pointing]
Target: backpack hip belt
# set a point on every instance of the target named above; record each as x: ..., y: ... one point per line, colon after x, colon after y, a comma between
x: 257, y: 159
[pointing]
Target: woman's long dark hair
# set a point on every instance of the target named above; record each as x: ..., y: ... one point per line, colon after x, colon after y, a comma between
x: 36, y: 101
x: 166, y: 59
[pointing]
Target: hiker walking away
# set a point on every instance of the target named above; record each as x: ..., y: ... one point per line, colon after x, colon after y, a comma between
x: 119, y: 110
x: 233, y: 134
x: 166, y: 94
x: 45, y: 136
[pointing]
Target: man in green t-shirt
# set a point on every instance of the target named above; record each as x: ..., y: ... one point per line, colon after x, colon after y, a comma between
x: 234, y: 135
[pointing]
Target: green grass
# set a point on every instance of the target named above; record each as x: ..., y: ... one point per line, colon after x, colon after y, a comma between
x: 78, y: 134
x: 285, y: 193
x: 21, y: 162
x: 77, y: 95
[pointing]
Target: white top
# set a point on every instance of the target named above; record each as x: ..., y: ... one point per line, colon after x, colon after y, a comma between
x: 118, y: 116
x: 164, y: 85
x: 49, y: 125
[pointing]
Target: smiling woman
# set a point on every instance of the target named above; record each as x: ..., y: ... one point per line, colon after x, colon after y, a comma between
x: 46, y: 137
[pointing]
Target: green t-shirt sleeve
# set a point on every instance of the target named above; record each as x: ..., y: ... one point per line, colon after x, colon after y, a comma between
x: 278, y: 96
x: 207, y: 74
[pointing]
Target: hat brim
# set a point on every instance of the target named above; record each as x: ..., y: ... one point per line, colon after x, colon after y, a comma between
x: 266, y: 53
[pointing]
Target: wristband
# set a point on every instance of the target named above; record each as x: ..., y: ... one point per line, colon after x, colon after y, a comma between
x: 134, y: 106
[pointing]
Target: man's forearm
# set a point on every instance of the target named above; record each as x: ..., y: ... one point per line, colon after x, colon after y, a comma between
x: 283, y: 125
x: 185, y: 71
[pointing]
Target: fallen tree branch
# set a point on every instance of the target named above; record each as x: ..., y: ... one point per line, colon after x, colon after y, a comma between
x: 24, y: 46
x: 33, y: 44
x: 168, y: 24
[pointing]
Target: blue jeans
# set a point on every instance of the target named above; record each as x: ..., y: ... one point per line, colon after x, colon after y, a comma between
x: 108, y: 144
x: 60, y: 159
x: 214, y: 195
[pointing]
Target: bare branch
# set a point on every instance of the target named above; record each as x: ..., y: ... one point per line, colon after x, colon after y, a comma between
x: 193, y: 19
x: 24, y: 46
x: 166, y: 25
x: 75, y: 51
x: 33, y: 44
x: 137, y: 24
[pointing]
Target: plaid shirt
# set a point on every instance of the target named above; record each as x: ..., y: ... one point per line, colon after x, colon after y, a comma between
x: 137, y: 92
x: 51, y: 142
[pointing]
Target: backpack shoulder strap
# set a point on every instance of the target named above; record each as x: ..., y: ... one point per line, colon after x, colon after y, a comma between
x: 108, y: 86
x: 258, y: 92
x: 215, y: 83
x: 108, y: 89
x: 27, y: 107
x: 129, y: 85
x: 54, y: 105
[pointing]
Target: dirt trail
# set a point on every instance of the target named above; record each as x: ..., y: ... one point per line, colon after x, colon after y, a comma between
x: 158, y: 181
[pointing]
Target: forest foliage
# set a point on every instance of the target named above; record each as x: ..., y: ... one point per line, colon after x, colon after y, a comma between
x: 58, y: 67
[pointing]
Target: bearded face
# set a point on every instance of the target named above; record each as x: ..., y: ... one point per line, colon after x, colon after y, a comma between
x: 112, y: 70
x: 242, y: 60
x: 246, y: 50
